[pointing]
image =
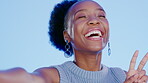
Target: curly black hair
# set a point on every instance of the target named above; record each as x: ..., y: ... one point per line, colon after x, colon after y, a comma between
x: 56, y: 24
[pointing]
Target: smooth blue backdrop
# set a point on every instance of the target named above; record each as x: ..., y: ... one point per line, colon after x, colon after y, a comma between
x: 24, y: 41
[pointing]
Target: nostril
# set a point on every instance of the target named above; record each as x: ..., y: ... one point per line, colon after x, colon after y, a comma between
x: 98, y: 22
x: 91, y: 23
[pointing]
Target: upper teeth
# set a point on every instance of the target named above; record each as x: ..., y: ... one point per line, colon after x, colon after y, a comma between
x: 94, y: 32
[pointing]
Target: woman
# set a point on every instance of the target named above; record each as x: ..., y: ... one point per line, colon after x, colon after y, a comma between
x: 85, y: 31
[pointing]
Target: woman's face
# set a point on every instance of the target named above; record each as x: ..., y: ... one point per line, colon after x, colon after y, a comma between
x: 89, y: 31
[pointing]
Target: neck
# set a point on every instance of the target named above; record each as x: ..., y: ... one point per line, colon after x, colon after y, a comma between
x: 89, y: 62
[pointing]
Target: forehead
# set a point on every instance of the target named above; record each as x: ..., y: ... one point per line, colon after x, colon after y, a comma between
x: 85, y: 5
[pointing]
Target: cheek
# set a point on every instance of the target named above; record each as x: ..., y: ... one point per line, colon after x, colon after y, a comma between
x: 78, y: 27
x: 77, y: 32
x: 74, y: 31
x: 106, y: 26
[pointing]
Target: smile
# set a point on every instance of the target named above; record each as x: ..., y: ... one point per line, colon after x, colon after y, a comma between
x: 94, y: 34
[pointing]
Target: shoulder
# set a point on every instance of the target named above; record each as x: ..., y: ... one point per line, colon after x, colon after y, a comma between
x: 118, y: 73
x: 49, y: 74
x: 117, y: 69
x: 52, y: 74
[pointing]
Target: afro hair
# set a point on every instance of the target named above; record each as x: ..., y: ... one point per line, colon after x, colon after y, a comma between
x: 56, y: 24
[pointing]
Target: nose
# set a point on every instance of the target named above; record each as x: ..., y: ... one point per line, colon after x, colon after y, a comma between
x: 93, y: 21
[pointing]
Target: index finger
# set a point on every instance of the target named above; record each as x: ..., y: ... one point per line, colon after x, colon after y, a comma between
x: 133, y: 60
x: 143, y: 62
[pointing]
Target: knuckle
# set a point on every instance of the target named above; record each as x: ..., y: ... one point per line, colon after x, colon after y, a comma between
x: 142, y: 63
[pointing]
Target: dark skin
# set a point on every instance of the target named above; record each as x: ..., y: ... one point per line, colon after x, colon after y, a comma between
x: 137, y: 75
x: 19, y: 75
x: 85, y: 58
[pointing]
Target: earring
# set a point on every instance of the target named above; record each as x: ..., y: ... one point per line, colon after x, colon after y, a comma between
x: 67, y: 53
x: 109, y: 50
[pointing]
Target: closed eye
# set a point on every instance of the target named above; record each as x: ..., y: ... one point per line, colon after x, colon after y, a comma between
x: 103, y: 16
x: 81, y: 17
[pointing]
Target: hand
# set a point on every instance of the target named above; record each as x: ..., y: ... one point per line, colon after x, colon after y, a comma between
x: 137, y: 75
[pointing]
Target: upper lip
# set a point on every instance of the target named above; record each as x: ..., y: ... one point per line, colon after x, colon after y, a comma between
x: 97, y: 31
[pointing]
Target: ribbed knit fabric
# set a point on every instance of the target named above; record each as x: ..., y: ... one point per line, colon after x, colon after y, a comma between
x: 71, y: 73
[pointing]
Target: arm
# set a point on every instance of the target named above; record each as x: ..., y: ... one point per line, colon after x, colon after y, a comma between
x: 137, y: 75
x: 19, y: 75
x: 49, y: 74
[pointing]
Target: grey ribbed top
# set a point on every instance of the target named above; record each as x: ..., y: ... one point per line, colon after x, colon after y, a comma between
x: 71, y: 73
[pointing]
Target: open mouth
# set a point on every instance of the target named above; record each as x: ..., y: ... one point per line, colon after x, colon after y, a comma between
x: 94, y: 34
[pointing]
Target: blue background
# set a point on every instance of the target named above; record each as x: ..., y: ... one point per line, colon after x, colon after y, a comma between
x: 24, y: 41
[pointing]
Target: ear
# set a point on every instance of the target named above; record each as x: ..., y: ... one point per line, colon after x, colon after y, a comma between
x: 66, y: 36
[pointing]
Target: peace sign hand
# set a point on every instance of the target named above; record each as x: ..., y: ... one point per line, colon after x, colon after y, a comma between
x: 137, y: 75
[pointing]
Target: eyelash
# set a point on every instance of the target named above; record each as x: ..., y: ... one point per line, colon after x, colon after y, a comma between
x: 81, y: 17
x: 98, y: 16
x: 102, y: 16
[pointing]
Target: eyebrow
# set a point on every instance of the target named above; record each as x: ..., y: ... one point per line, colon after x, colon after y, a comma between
x: 100, y: 9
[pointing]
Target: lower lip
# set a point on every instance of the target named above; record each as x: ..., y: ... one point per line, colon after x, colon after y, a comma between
x: 94, y: 39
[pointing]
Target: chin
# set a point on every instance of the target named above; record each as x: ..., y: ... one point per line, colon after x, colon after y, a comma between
x: 96, y: 49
